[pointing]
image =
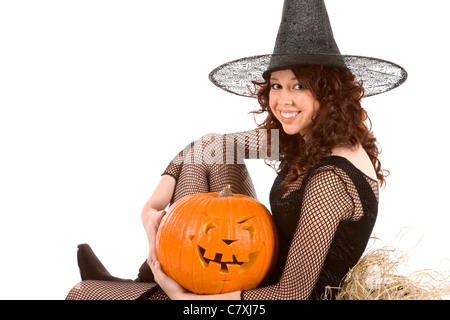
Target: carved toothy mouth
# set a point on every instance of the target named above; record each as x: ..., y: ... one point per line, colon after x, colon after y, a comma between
x: 224, y: 264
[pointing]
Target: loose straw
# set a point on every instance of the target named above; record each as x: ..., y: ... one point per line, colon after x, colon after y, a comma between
x: 376, y: 277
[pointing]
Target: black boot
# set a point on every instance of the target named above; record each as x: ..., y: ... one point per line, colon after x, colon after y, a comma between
x: 91, y: 268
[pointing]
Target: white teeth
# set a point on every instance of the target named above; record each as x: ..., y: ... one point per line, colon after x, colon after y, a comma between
x: 288, y: 115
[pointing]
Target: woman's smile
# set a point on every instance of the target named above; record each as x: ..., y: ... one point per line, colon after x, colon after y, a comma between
x: 288, y: 116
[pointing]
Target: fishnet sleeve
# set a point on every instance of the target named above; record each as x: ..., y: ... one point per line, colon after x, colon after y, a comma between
x: 326, y: 202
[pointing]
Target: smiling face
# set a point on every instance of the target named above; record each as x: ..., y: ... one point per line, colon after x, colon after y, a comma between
x: 292, y: 105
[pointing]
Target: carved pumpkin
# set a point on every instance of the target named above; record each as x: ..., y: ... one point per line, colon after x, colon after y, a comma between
x: 217, y: 242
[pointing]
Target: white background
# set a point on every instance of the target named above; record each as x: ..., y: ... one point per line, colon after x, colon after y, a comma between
x: 96, y: 97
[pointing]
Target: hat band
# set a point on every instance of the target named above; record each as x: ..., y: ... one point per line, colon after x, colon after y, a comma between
x: 290, y: 61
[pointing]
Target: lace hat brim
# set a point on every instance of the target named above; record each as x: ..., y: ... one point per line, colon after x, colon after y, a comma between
x: 237, y: 76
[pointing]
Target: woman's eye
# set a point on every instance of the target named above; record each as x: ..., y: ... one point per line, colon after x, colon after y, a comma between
x: 275, y: 86
x: 298, y: 87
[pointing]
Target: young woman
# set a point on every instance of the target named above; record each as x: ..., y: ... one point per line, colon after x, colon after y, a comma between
x: 324, y: 200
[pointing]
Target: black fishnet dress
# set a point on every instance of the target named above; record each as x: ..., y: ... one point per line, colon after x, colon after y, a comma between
x: 324, y: 221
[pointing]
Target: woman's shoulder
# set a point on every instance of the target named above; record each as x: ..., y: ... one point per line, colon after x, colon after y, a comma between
x: 358, y: 157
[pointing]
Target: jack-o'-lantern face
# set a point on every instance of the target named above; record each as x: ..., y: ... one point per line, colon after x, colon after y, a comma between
x: 230, y: 244
x: 213, y: 244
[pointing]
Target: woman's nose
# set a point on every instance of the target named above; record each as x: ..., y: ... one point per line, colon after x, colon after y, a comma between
x: 285, y: 99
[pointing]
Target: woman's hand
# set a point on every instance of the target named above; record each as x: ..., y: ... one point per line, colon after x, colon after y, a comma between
x: 177, y: 292
x: 167, y: 284
x: 151, y: 219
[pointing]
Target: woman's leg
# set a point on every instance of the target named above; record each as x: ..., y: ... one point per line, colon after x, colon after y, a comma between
x: 211, y: 163
x: 111, y: 290
x: 197, y: 176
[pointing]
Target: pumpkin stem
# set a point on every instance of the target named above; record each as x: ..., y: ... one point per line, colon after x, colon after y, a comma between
x: 226, y: 192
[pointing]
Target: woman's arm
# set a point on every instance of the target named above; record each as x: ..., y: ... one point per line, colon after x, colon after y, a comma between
x: 153, y: 211
x: 326, y: 202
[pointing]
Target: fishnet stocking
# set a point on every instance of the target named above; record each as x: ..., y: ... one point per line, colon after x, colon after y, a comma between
x: 215, y: 160
x: 109, y: 290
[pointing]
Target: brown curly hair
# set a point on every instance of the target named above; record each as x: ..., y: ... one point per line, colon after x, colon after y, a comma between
x: 340, y: 120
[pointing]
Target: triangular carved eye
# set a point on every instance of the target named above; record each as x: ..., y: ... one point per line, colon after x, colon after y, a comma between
x: 228, y: 242
x: 250, y: 229
x: 208, y: 226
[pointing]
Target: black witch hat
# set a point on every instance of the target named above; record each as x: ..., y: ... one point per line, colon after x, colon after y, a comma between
x: 305, y: 37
